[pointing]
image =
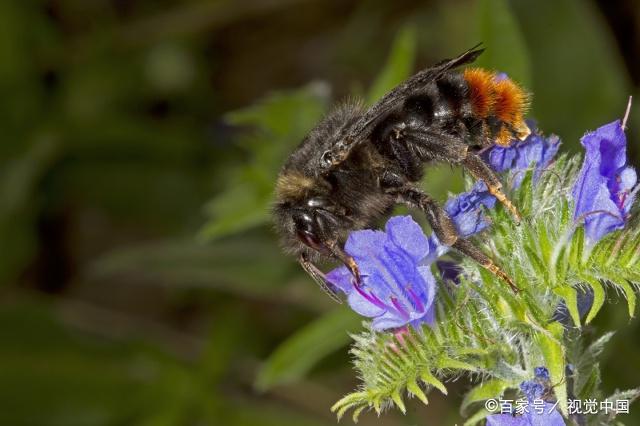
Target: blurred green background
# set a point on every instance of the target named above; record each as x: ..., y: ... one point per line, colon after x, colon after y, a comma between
x: 141, y: 282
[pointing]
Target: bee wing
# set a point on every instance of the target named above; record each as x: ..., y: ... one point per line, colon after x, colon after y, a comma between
x: 363, y: 127
x: 320, y: 279
x: 360, y: 131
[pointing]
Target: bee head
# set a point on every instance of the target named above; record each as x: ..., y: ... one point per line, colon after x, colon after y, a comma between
x: 316, y: 224
x: 308, y: 220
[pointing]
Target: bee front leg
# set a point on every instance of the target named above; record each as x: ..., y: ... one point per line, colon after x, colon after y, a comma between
x: 319, y: 277
x: 339, y: 253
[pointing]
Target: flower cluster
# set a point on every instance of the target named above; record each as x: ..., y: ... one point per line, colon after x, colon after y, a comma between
x: 397, y: 285
x: 561, y: 261
x: 558, y: 258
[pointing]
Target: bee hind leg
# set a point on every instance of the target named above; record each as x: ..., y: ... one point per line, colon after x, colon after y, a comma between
x: 440, y: 146
x: 447, y: 233
x: 480, y: 170
x: 466, y: 247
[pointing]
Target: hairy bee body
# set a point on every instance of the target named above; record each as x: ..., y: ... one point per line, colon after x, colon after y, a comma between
x: 331, y: 185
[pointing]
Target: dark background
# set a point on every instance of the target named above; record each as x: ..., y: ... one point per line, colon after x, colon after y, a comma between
x: 140, y: 280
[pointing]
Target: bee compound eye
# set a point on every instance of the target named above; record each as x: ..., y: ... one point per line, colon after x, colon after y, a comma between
x: 304, y: 221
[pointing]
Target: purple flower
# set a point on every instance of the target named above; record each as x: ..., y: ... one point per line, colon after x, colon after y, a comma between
x: 519, y: 157
x: 603, y: 190
x: 466, y: 210
x: 537, y: 412
x: 397, y: 287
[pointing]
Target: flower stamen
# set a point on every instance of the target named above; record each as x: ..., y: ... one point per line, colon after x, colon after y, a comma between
x: 415, y: 299
x: 401, y: 310
x: 372, y: 298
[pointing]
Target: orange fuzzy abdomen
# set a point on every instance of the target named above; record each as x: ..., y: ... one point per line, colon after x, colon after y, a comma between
x: 501, y: 98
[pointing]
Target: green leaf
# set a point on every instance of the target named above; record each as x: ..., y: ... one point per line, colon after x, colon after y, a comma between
x: 397, y: 399
x: 500, y: 33
x: 430, y: 379
x: 629, y: 293
x: 477, y: 417
x: 220, y: 265
x: 399, y: 66
x: 630, y: 394
x: 490, y: 389
x: 302, y: 350
x: 356, y: 413
x: 348, y: 401
x: 598, y: 297
x: 553, y: 354
x: 570, y: 296
x: 586, y: 388
x: 455, y: 364
x: 595, y: 349
x: 414, y: 388
x: 577, y: 247
x: 536, y: 262
x: 546, y: 248
x: 273, y: 115
x: 236, y: 210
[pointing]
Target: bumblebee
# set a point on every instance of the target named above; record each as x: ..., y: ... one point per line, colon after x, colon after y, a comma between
x: 357, y: 164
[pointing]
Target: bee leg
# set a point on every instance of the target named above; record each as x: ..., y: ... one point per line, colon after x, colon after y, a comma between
x: 440, y: 222
x: 444, y: 147
x: 466, y: 247
x: 339, y: 253
x: 447, y: 233
x: 319, y: 277
x: 480, y: 170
